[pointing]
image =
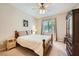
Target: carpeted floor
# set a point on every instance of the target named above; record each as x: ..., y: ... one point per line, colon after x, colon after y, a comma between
x: 58, y: 49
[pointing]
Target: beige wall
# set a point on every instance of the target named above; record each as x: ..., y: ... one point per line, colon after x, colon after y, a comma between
x: 38, y: 25
x: 11, y: 19
x: 77, y: 6
x: 61, y: 26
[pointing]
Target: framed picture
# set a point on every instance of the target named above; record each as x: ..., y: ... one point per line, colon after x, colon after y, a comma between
x: 25, y: 23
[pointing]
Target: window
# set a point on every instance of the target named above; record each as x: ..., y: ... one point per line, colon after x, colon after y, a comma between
x: 48, y: 26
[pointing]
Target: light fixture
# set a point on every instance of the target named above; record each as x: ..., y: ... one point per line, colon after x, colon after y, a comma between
x: 43, y: 8
x: 34, y: 29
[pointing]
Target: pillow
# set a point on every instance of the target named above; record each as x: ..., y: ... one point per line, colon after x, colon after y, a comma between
x: 21, y: 33
x: 29, y: 32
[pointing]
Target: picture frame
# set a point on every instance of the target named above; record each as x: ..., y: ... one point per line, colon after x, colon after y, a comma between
x: 25, y: 23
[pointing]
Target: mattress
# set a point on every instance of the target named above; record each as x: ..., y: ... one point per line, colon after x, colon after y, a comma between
x: 33, y: 42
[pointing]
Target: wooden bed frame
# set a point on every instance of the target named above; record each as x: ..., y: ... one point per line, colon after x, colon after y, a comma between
x: 46, y: 46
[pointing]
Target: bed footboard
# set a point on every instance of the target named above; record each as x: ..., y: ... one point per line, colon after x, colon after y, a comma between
x: 16, y: 34
x: 51, y: 38
x: 43, y: 47
x: 47, y: 45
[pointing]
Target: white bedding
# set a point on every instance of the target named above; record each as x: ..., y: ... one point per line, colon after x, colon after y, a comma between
x: 33, y: 42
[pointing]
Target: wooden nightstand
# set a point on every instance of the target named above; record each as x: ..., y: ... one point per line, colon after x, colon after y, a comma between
x: 11, y: 43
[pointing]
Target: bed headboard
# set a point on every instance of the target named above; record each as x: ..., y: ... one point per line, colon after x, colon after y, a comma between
x: 21, y: 33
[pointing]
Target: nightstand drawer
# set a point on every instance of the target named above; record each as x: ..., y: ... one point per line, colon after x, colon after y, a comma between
x: 11, y: 43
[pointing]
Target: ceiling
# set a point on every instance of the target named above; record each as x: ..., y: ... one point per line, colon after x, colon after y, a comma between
x: 53, y: 8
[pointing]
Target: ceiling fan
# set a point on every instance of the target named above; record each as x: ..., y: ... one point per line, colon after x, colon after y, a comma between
x: 42, y: 7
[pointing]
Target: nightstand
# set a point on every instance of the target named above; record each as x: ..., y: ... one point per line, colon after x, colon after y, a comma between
x: 11, y: 43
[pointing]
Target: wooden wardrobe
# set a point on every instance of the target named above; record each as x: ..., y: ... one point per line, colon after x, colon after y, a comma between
x: 72, y: 33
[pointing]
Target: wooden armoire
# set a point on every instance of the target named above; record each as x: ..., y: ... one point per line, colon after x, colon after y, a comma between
x: 72, y: 33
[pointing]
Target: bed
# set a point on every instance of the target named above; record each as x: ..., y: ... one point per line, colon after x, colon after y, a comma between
x: 40, y: 44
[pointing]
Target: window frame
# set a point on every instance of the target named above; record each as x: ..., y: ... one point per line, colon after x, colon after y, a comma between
x: 46, y: 19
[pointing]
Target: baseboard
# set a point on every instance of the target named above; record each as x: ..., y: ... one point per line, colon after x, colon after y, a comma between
x: 2, y: 49
x: 61, y: 41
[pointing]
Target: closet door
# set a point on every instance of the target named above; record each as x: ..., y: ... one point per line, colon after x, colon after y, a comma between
x: 69, y: 28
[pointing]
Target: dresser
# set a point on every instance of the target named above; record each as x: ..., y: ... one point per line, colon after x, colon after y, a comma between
x: 72, y: 33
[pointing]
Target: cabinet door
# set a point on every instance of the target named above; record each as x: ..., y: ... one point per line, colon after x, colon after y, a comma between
x: 69, y: 26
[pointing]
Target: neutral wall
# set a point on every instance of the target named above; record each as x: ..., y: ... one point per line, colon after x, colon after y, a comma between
x: 77, y: 6
x: 11, y: 19
x: 38, y: 25
x: 61, y: 26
